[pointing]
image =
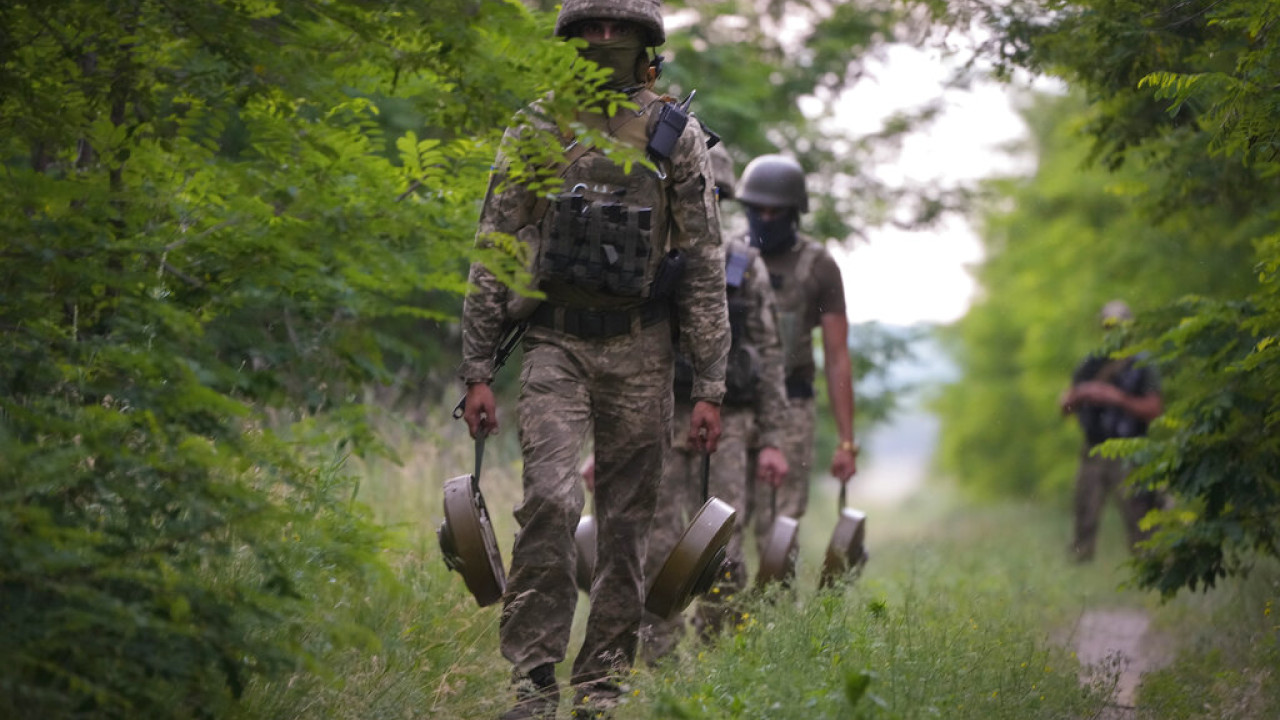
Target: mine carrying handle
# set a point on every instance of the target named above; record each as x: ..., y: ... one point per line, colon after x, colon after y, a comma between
x: 475, y: 477
x: 706, y: 476
x: 511, y: 337
x: 840, y: 510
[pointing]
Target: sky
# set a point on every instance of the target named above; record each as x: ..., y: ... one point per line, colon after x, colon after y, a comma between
x: 903, y: 278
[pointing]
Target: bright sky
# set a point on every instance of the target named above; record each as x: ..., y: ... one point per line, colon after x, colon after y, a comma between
x: 902, y: 277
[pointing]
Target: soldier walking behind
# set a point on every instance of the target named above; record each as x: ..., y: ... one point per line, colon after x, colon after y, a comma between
x: 606, y: 253
x: 754, y: 393
x: 810, y: 293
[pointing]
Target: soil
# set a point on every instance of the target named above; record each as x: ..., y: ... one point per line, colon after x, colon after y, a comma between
x: 1117, y: 645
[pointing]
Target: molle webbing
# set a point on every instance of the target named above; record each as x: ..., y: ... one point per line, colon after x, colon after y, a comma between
x: 600, y: 233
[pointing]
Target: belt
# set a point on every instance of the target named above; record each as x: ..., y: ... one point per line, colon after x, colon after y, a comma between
x: 587, y: 323
x: 799, y: 388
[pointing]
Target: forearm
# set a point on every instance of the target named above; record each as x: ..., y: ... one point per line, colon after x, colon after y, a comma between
x: 700, y: 297
x: 704, y: 329
x: 482, y: 321
x: 839, y: 372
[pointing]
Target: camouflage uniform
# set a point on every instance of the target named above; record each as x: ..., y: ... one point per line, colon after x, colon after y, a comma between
x: 1099, y: 477
x: 595, y: 358
x: 806, y: 283
x: 681, y: 494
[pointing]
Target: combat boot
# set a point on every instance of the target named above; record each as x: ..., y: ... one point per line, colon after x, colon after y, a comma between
x: 594, y: 703
x: 537, y: 695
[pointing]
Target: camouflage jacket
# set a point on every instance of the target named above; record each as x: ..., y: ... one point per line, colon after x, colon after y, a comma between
x: 693, y: 225
x: 761, y: 333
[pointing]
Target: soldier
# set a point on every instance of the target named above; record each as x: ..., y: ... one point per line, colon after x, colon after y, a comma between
x: 754, y: 389
x: 607, y: 252
x: 1112, y: 398
x: 806, y: 282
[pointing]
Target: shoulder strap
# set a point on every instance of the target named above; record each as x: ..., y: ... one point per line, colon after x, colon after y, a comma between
x: 808, y: 256
x: 574, y: 150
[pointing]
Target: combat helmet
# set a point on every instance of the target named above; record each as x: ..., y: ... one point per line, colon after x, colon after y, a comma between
x: 722, y: 169
x: 645, y: 13
x: 774, y: 181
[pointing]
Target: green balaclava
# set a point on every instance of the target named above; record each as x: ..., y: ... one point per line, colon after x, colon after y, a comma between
x: 623, y: 57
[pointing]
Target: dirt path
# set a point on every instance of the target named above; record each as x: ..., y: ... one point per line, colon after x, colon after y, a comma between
x: 1118, y: 642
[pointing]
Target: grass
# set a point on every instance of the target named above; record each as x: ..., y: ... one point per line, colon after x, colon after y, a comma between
x: 963, y: 612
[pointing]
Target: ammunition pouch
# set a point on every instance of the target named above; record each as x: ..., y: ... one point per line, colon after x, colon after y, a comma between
x: 741, y: 375
x: 668, y: 275
x: 798, y: 388
x: 598, y: 246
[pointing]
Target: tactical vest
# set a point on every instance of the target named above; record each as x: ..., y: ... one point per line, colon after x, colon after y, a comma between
x: 606, y: 231
x: 1103, y: 422
x: 742, y: 371
x: 790, y: 290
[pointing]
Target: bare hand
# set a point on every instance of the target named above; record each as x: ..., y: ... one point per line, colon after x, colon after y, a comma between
x: 844, y: 464
x: 771, y: 466
x: 481, y: 410
x: 704, y: 427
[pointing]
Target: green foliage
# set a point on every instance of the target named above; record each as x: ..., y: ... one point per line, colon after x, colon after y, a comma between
x: 952, y: 622
x: 1059, y: 246
x: 1181, y: 108
x: 755, y: 67
x: 222, y: 221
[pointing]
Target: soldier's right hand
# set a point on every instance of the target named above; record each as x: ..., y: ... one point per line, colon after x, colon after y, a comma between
x: 481, y: 410
x: 771, y: 466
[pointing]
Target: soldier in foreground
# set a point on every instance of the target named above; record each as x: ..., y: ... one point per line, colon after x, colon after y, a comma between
x: 810, y: 294
x: 607, y: 254
x: 754, y: 390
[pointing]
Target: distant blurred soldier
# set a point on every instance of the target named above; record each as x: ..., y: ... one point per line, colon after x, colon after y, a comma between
x: 810, y: 293
x: 1112, y: 398
x: 614, y: 252
x: 754, y: 389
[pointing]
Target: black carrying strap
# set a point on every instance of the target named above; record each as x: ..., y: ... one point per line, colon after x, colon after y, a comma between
x: 706, y: 475
x: 840, y: 510
x: 475, y: 476
x: 773, y: 504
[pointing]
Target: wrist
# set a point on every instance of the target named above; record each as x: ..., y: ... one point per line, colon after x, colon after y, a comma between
x: 850, y: 446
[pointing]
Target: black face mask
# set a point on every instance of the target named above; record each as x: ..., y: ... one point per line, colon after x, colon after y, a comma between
x: 620, y: 56
x: 771, y: 236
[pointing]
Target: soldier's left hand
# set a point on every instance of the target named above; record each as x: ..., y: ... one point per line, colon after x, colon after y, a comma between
x: 844, y: 464
x: 704, y: 427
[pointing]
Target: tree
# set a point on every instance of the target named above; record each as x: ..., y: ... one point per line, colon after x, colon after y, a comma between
x: 1182, y: 93
x: 208, y: 231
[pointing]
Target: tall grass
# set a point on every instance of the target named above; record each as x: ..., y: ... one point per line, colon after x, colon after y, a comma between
x: 963, y: 612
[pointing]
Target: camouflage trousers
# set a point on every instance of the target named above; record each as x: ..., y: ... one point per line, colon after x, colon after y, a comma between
x: 622, y: 387
x: 1096, y: 480
x: 793, y: 496
x: 678, y: 501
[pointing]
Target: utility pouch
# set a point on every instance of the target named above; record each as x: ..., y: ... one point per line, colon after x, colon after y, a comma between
x: 670, y: 270
x: 666, y: 132
x: 742, y: 373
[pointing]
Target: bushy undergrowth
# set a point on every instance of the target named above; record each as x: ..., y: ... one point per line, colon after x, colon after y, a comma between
x: 963, y: 612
